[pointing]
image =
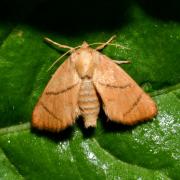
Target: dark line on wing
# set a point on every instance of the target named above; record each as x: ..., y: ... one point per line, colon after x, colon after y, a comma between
x: 133, y: 105
x: 113, y: 86
x: 47, y: 110
x: 62, y: 91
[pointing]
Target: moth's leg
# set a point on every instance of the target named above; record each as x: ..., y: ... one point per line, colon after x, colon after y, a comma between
x: 106, y: 43
x: 121, y: 62
x: 57, y: 44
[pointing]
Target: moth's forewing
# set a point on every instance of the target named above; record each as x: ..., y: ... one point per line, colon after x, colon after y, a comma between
x: 124, y: 101
x: 57, y: 108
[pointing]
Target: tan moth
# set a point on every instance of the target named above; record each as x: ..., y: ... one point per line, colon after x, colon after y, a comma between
x: 84, y: 81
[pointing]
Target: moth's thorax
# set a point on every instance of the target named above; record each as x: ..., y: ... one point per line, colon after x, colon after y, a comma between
x: 84, y: 61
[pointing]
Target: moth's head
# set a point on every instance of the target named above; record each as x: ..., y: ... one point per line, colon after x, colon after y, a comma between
x: 84, y: 60
x: 84, y: 45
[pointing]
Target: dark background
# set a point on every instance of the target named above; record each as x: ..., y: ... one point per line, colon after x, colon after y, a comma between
x: 75, y: 16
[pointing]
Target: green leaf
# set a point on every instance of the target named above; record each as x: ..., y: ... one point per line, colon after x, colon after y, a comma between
x: 145, y: 151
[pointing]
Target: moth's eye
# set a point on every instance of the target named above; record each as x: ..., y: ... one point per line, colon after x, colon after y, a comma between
x: 74, y: 57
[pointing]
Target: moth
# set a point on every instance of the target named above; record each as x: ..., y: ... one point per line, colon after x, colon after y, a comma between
x: 85, y: 80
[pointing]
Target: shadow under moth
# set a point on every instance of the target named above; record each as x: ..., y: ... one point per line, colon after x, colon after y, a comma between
x: 84, y: 80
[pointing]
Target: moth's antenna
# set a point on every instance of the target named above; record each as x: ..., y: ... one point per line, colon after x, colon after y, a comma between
x: 109, y: 44
x: 102, y: 45
x: 55, y: 62
x: 106, y: 43
x: 57, y: 44
x: 71, y: 49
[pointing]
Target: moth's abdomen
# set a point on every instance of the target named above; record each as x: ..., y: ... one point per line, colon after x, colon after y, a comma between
x: 88, y: 103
